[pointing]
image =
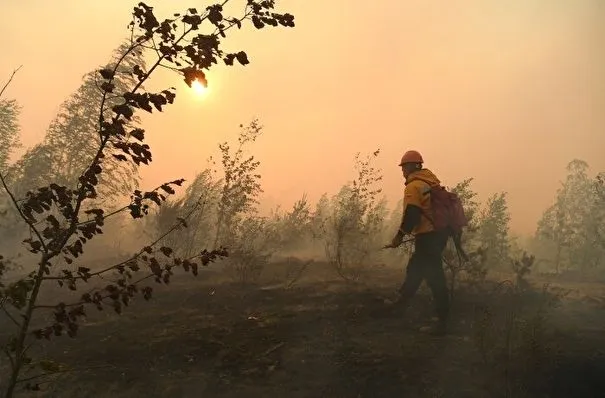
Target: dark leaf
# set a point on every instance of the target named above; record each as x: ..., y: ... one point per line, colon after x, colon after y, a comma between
x: 256, y: 21
x: 124, y: 110
x: 228, y: 59
x: 242, y: 58
x: 168, y: 189
x: 106, y: 73
x: 108, y: 87
x: 139, y: 134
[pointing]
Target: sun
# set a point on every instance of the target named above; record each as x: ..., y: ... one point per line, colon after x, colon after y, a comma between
x: 199, y: 88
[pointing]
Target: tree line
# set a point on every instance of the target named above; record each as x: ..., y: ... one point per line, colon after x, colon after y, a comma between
x: 348, y: 227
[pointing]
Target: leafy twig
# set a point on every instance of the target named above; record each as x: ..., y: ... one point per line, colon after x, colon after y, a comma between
x: 174, y: 227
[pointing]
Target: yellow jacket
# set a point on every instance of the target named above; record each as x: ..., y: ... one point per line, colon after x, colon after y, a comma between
x: 417, y: 188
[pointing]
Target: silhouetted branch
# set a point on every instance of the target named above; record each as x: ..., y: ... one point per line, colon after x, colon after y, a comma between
x: 10, y: 357
x: 180, y: 222
x: 103, y: 297
x: 8, y: 314
x: 115, y: 212
x: 54, y: 200
x: 30, y: 223
x: 10, y: 79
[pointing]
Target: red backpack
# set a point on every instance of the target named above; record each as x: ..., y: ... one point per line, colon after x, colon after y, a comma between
x: 448, y: 215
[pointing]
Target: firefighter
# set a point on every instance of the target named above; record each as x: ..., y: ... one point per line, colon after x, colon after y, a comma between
x: 426, y: 261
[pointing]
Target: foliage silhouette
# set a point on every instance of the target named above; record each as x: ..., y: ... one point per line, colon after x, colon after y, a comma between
x: 72, y: 139
x: 570, y: 231
x: 59, y: 218
x: 9, y: 130
x: 201, y: 197
x: 241, y: 187
x: 494, y: 230
x: 353, y: 227
x: 474, y: 269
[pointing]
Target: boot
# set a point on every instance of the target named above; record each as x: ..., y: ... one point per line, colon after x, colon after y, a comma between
x: 398, y: 305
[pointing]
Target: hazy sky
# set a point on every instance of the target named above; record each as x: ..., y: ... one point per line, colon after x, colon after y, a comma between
x: 506, y: 91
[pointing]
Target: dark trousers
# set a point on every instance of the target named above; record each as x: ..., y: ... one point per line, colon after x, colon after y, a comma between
x: 426, y: 264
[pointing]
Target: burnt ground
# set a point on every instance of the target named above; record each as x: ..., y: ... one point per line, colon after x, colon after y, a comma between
x: 206, y: 337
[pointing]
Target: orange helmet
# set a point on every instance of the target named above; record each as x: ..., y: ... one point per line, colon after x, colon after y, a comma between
x: 411, y: 157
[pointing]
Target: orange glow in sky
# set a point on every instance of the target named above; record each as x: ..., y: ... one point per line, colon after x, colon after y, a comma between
x: 507, y: 92
x: 199, y: 89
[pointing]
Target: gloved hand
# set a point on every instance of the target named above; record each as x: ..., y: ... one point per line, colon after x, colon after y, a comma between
x: 396, y: 242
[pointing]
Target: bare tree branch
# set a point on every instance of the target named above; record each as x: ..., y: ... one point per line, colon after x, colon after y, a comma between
x: 31, y: 224
x: 10, y: 79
